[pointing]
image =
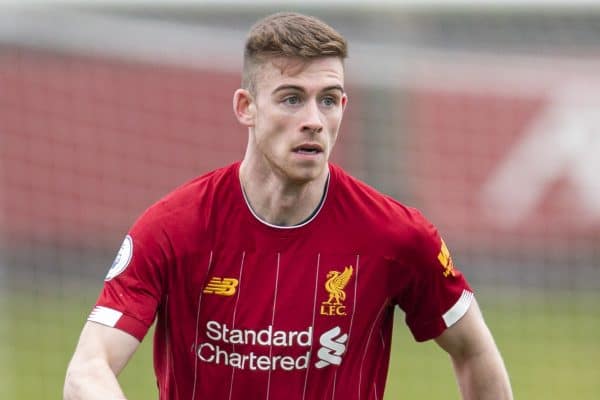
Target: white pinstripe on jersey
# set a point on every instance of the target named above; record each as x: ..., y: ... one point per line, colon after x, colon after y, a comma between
x: 373, y: 325
x: 210, y: 259
x: 351, y: 318
x: 313, y: 322
x: 233, y: 318
x: 273, y: 321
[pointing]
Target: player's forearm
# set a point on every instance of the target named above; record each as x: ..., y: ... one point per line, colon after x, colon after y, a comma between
x: 483, y: 376
x: 91, y: 380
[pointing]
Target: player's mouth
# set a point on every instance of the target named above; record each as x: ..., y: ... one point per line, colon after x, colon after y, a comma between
x: 308, y: 149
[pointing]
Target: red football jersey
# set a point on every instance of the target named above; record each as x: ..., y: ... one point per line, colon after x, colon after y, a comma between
x: 247, y: 310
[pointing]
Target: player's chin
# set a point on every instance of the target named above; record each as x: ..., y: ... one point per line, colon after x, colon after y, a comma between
x: 306, y: 172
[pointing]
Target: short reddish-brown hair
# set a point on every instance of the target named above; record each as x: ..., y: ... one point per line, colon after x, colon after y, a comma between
x: 289, y: 35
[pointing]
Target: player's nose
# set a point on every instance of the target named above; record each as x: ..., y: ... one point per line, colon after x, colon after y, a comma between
x: 312, y: 118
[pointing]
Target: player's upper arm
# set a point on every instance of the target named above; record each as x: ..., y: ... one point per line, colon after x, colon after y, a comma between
x: 99, y: 343
x: 468, y: 336
x: 101, y: 354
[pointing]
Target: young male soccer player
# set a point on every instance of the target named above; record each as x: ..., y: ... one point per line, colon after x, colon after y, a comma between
x: 277, y: 277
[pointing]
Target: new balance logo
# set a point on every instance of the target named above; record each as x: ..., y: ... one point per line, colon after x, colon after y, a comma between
x: 221, y: 286
x: 333, y: 347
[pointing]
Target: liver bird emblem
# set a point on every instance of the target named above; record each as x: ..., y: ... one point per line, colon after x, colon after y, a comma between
x: 335, y: 284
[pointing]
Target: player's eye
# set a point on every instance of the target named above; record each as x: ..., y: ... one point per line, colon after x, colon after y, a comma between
x: 329, y: 101
x: 292, y: 100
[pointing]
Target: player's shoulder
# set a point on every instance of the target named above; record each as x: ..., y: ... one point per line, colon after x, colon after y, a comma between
x: 387, y: 213
x: 203, y: 186
x: 193, y: 196
x: 378, y: 204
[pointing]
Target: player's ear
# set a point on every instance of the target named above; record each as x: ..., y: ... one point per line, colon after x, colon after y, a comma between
x: 344, y: 101
x: 244, y: 107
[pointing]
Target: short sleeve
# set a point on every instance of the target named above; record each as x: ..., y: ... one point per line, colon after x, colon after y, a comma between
x: 436, y: 295
x: 134, y: 285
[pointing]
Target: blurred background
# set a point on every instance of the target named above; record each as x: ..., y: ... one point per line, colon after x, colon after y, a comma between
x: 486, y: 117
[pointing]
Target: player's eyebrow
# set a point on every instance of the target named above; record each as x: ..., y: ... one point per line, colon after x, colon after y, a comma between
x: 301, y: 89
x: 334, y: 87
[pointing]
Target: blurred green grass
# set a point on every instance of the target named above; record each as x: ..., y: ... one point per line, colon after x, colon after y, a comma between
x: 550, y: 343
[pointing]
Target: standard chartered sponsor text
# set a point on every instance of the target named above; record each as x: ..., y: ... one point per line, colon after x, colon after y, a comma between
x: 216, y: 353
x: 265, y: 337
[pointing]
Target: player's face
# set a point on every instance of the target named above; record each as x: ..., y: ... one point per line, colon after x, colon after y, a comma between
x: 298, y: 112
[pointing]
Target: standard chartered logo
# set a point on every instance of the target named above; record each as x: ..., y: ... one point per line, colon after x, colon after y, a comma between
x: 268, y: 337
x: 331, y: 351
x: 333, y: 347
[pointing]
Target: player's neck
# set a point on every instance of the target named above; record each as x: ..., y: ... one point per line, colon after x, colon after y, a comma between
x: 279, y: 201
